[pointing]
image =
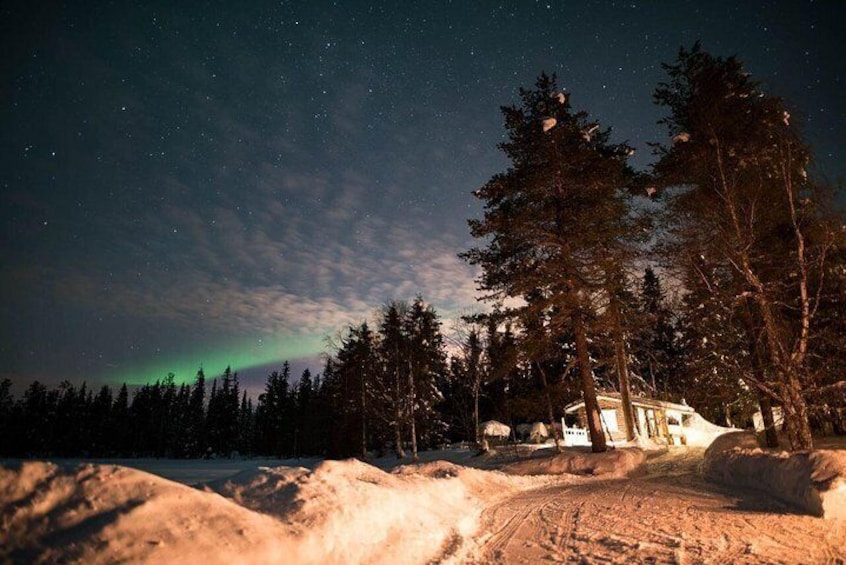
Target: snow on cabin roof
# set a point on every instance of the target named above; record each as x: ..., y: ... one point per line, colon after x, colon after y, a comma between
x: 636, y: 401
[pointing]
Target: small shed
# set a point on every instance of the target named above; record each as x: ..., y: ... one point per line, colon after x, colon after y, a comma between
x: 494, y: 429
x: 657, y: 419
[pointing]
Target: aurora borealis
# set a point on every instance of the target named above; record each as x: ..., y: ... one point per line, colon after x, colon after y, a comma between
x: 219, y: 184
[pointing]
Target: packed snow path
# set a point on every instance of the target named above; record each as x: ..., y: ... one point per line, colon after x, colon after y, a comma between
x: 670, y: 515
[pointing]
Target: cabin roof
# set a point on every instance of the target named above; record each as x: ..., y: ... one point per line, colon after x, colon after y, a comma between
x: 636, y: 401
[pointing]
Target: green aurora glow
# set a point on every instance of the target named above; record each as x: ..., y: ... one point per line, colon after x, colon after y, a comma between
x: 240, y: 356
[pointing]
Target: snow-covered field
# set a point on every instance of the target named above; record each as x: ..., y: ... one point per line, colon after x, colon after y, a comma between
x: 511, y: 506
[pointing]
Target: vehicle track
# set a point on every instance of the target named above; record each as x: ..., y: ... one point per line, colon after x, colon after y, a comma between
x: 671, y: 515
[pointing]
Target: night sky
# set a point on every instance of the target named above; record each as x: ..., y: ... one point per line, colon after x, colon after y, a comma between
x: 222, y: 183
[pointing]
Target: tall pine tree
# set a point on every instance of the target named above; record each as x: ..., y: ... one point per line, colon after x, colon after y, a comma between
x: 552, y: 219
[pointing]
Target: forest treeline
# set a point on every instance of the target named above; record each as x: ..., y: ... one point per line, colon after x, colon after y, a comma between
x: 390, y: 388
x: 731, y: 214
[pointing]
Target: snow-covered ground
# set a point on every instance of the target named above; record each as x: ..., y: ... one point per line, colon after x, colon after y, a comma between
x: 623, y: 506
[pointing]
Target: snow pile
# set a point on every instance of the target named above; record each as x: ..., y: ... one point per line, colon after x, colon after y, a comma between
x: 342, y: 512
x: 814, y: 482
x: 614, y: 463
x: 108, y: 514
x: 352, y: 512
x: 644, y: 443
x: 492, y: 428
x: 699, y: 432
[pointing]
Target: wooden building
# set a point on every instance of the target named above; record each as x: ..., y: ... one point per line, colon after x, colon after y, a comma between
x: 657, y: 419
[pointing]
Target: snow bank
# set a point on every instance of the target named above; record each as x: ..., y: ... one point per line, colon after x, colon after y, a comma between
x: 699, y: 432
x: 814, y: 482
x: 614, y: 463
x: 342, y: 512
x: 108, y: 514
x: 349, y: 511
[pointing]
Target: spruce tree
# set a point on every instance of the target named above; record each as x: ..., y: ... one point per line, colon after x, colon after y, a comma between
x: 196, y: 441
x: 357, y: 371
x: 552, y: 218
x: 393, y: 388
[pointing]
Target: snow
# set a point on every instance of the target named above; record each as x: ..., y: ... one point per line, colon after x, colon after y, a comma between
x: 615, y: 463
x: 105, y: 514
x: 586, y: 134
x: 349, y: 511
x: 683, y: 137
x: 538, y: 432
x: 812, y: 482
x: 341, y: 512
x: 513, y: 503
x: 561, y: 97
x: 492, y: 428
x: 548, y: 124
x: 699, y: 432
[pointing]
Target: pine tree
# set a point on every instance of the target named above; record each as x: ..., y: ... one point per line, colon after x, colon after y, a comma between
x: 552, y: 218
x: 655, y: 347
x: 275, y: 415
x: 306, y: 419
x: 357, y: 371
x: 101, y: 422
x: 246, y: 425
x: 748, y: 206
x: 426, y: 366
x: 196, y: 417
x: 393, y: 389
x: 121, y: 436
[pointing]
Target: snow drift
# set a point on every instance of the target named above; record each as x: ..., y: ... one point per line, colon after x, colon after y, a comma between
x: 352, y: 512
x: 342, y: 512
x: 109, y: 514
x: 699, y: 432
x: 615, y: 463
x: 814, y: 482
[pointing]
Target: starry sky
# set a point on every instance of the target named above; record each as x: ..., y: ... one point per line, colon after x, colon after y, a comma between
x: 215, y: 183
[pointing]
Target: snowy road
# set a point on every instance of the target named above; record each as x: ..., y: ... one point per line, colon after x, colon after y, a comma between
x: 668, y: 516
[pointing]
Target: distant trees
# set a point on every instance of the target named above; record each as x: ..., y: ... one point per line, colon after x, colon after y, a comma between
x: 391, y: 382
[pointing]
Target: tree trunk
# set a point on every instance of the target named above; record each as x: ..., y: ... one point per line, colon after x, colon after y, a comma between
x: 622, y: 369
x: 363, y: 421
x: 796, y: 415
x: 398, y: 417
x: 766, y: 405
x: 597, y: 438
x: 476, y: 387
x: 411, y: 413
x: 550, y: 411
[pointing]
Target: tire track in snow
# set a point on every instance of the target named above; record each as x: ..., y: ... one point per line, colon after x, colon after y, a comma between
x: 673, y: 516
